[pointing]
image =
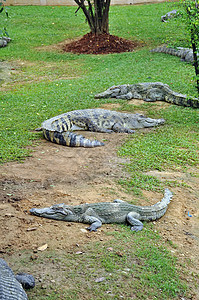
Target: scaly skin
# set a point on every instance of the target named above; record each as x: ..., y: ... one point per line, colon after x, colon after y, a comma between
x: 149, y: 92
x: 10, y: 288
x: 59, y: 129
x: 185, y: 54
x: 106, y: 212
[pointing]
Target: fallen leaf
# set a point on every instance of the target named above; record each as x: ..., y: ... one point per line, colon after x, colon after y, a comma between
x: 100, y: 279
x: 119, y: 254
x: 31, y: 229
x: 79, y: 252
x: 43, y: 247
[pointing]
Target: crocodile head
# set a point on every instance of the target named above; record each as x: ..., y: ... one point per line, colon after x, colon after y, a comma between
x: 148, y: 122
x: 58, y: 212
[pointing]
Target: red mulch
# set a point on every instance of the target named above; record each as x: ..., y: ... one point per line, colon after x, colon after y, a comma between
x: 101, y: 44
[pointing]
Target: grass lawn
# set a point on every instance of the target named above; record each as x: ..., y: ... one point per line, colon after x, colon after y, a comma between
x: 50, y: 82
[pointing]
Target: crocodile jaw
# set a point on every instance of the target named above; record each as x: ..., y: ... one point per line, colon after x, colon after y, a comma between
x: 57, y: 213
x: 47, y: 212
x: 148, y: 122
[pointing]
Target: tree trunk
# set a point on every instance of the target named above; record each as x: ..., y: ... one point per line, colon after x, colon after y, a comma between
x: 105, y: 20
x: 96, y: 14
x: 193, y: 16
x: 195, y: 62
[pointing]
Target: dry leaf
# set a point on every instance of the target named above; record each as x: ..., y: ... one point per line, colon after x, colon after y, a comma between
x: 31, y: 229
x: 79, y: 252
x: 119, y: 254
x: 43, y: 247
x: 100, y: 279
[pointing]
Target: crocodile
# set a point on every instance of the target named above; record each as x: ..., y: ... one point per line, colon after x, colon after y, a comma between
x: 171, y: 14
x: 4, y: 41
x: 59, y: 129
x: 11, y: 286
x: 186, y: 54
x: 96, y: 214
x: 150, y: 92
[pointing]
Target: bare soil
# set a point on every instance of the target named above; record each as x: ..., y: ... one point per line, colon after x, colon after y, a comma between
x: 57, y: 174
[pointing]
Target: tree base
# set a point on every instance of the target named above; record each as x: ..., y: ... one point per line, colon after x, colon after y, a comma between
x: 101, y: 44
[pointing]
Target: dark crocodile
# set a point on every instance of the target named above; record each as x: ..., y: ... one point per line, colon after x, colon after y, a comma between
x: 59, y: 129
x: 106, y: 212
x: 150, y: 92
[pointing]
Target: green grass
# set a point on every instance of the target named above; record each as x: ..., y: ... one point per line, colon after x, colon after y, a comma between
x: 130, y: 265
x: 49, y: 82
x: 171, y: 147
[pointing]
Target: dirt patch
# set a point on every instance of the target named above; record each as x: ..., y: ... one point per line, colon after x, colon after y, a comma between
x: 6, y: 71
x: 101, y: 44
x: 57, y: 174
x: 54, y: 175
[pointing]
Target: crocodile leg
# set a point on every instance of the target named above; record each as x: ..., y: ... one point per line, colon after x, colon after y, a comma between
x: 155, y: 94
x: 127, y: 96
x: 106, y: 127
x: 95, y: 223
x: 10, y: 288
x: 133, y: 219
x: 27, y: 281
x: 95, y: 128
x: 90, y: 217
x: 119, y: 128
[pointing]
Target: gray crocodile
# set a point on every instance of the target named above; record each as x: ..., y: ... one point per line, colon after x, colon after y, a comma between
x: 59, y: 129
x: 4, y: 41
x: 11, y: 287
x: 186, y: 54
x: 150, y: 92
x: 106, y: 212
x: 171, y: 14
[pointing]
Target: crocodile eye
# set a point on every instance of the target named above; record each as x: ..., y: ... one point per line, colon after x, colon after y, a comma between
x: 60, y: 210
x: 63, y: 211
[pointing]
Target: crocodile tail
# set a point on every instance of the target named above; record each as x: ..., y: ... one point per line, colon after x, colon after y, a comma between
x: 191, y: 102
x: 165, y: 200
x: 156, y: 211
x: 182, y: 100
x: 160, y: 208
x: 167, y: 50
x: 70, y: 139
